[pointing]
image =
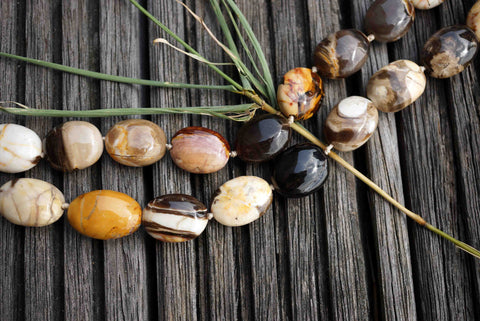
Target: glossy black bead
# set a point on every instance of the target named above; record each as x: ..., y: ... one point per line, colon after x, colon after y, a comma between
x: 300, y: 170
x: 262, y: 138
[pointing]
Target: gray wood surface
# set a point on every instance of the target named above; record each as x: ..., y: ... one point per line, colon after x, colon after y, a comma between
x: 340, y: 254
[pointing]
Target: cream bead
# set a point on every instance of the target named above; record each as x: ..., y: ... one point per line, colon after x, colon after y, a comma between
x: 426, y: 4
x: 20, y: 148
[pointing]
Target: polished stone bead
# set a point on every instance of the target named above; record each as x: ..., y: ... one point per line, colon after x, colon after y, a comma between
x: 300, y: 170
x: 341, y: 54
x: 301, y: 93
x: 426, y: 4
x: 175, y: 218
x: 389, y: 20
x: 351, y: 123
x: 31, y: 202
x: 396, y: 85
x: 136, y: 142
x: 105, y: 214
x: 449, y: 51
x: 473, y: 19
x: 241, y: 200
x: 262, y: 138
x: 20, y: 148
x: 199, y: 150
x: 73, y: 145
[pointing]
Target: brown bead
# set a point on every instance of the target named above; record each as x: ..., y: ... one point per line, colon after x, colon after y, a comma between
x: 389, y: 20
x: 301, y: 93
x: 199, y: 150
x: 473, y: 19
x: 341, y: 54
x: 136, y: 142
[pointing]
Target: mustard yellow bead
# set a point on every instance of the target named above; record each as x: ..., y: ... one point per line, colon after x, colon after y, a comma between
x: 105, y: 214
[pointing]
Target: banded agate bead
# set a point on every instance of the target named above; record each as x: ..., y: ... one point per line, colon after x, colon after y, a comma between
x: 73, y: 145
x: 175, y: 218
x: 31, y: 202
x: 241, y: 200
x: 301, y: 93
x: 105, y: 214
x: 199, y: 150
x: 426, y: 4
x: 262, y: 138
x: 389, y: 20
x: 136, y: 142
x: 473, y: 19
x: 341, y: 54
x: 449, y: 51
x: 351, y: 123
x: 20, y: 148
x: 300, y: 170
x: 396, y: 85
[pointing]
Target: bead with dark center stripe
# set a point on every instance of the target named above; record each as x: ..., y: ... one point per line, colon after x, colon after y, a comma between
x: 175, y: 218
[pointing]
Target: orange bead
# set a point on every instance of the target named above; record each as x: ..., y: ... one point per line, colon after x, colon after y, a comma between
x: 105, y: 214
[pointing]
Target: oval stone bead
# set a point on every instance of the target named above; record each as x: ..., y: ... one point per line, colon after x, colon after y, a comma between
x: 300, y: 170
x: 262, y: 138
x: 105, y: 214
x: 301, y: 93
x: 426, y: 4
x: 73, y: 145
x: 341, y: 54
x: 199, y: 150
x: 31, y: 202
x: 473, y: 19
x: 389, y: 20
x: 241, y: 200
x: 351, y: 123
x: 175, y: 218
x: 396, y: 85
x: 449, y: 51
x: 20, y: 148
x: 136, y: 142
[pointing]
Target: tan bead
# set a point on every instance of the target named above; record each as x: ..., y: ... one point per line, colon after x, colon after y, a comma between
x: 396, y: 85
x: 426, y: 4
x: 136, y: 142
x: 473, y: 19
x: 241, y: 200
x: 351, y: 123
x: 31, y: 202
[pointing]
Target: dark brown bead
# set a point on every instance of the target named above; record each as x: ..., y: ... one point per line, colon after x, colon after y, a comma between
x: 262, y: 138
x: 389, y: 20
x: 341, y: 54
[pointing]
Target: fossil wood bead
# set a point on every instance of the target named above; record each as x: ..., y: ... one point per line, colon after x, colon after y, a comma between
x: 20, y: 148
x: 241, y: 200
x: 301, y: 93
x: 262, y: 138
x: 136, y: 142
x: 73, y: 145
x: 426, y: 4
x: 389, y: 20
x: 396, y: 85
x: 105, y: 214
x: 449, y: 51
x: 31, y: 202
x: 300, y: 170
x: 175, y: 218
x: 351, y: 123
x: 199, y: 150
x: 341, y: 54
x: 473, y: 19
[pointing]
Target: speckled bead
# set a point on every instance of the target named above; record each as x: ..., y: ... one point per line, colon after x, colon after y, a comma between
x: 396, y: 85
x: 175, y: 218
x: 241, y: 200
x: 199, y: 150
x: 449, y: 51
x: 20, y: 148
x: 426, y: 4
x: 105, y: 214
x: 73, y: 145
x: 301, y: 93
x: 136, y: 142
x: 341, y: 54
x: 31, y: 202
x: 351, y: 123
x: 473, y: 19
x: 389, y: 20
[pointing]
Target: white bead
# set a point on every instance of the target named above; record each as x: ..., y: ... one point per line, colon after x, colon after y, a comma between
x: 20, y: 148
x: 426, y: 4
